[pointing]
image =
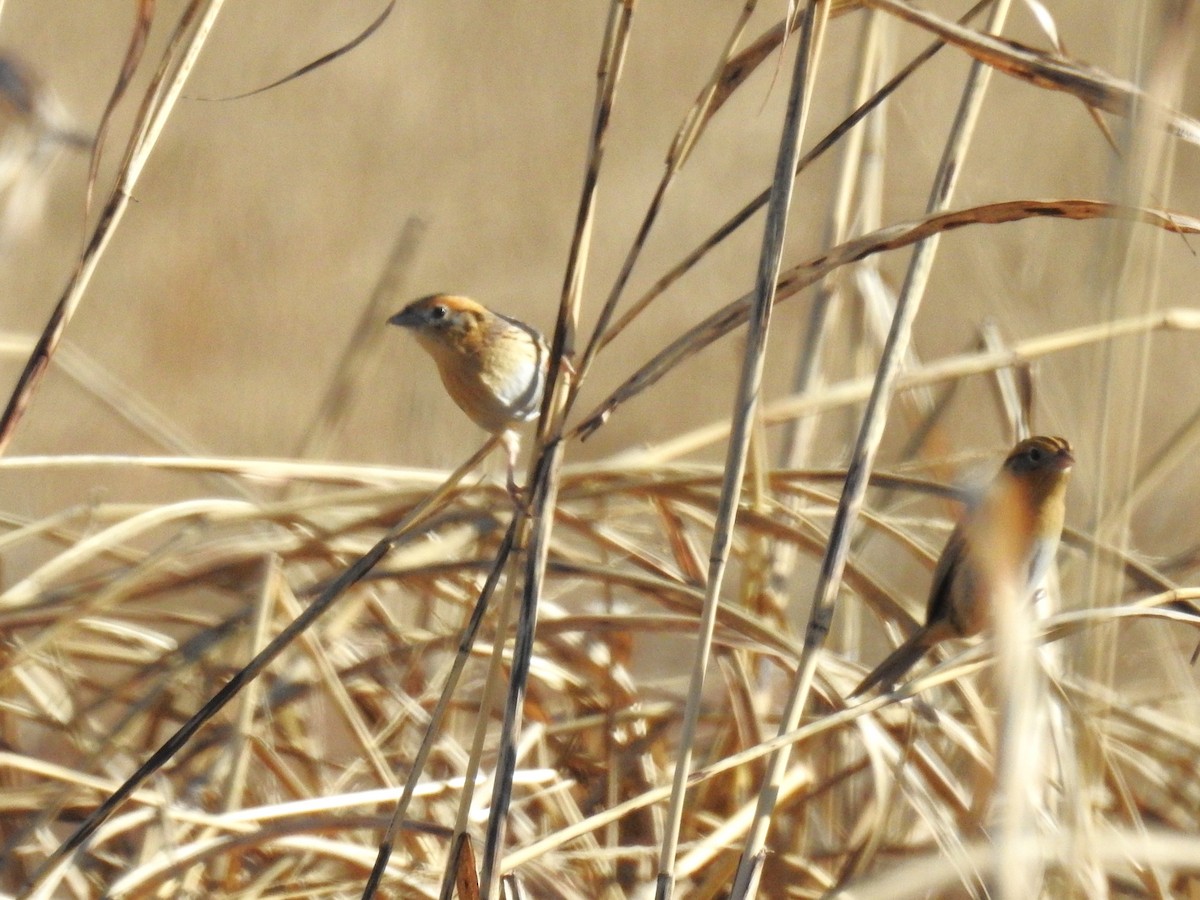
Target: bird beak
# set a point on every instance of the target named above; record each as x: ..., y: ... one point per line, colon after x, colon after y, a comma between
x: 406, y: 318
x: 1064, y: 460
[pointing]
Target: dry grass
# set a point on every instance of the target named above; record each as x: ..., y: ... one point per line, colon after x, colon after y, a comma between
x: 235, y: 674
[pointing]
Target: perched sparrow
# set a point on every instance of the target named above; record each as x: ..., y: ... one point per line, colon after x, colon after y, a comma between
x: 493, y: 367
x: 1011, y: 534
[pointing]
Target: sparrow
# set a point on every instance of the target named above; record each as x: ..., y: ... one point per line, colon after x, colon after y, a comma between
x: 1009, y: 537
x: 493, y: 366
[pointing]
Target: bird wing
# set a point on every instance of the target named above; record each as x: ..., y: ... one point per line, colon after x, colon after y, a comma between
x: 938, y: 608
x: 898, y: 662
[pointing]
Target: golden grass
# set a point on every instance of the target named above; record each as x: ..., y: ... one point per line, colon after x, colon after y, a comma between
x: 244, y: 690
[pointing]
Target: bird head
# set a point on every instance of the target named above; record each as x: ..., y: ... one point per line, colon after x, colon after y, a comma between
x: 443, y: 321
x: 1041, y: 462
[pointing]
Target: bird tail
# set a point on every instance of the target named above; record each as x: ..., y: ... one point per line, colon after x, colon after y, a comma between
x: 898, y: 662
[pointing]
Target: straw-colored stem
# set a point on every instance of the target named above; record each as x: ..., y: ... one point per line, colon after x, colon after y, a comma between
x: 52, y: 868
x: 892, y: 237
x: 150, y: 125
x: 829, y: 579
x: 685, y: 138
x: 745, y: 406
x: 449, y: 685
x: 549, y: 449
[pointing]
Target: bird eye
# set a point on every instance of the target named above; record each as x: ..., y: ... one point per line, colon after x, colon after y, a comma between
x: 1035, y: 454
x: 437, y: 313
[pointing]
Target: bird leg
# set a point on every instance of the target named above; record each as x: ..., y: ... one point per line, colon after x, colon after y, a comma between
x: 511, y: 441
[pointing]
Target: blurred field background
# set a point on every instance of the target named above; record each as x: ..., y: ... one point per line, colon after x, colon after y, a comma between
x: 215, y: 326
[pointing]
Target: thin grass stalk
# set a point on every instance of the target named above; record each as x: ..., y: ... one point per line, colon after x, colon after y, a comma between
x: 971, y: 660
x: 890, y: 237
x: 338, y: 696
x: 743, y: 419
x: 134, y: 50
x: 549, y: 449
x: 798, y: 433
x: 322, y: 60
x: 1126, y: 276
x: 25, y: 654
x: 30, y: 588
x: 1013, y: 389
x: 924, y: 411
x: 460, y: 844
x: 1057, y: 628
x: 863, y: 459
x: 611, y: 838
x: 385, y: 479
x: 921, y: 875
x: 821, y: 727
x: 147, y: 129
x: 1049, y: 71
x: 1021, y: 777
x: 298, y: 834
x: 1017, y: 354
x: 876, y: 302
x: 799, y: 778
x: 798, y: 436
x: 148, y: 695
x: 56, y: 864
x: 875, y: 309
x: 872, y: 189
x: 450, y: 684
x: 746, y: 212
x: 685, y: 138
x: 274, y: 581
x: 506, y: 754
